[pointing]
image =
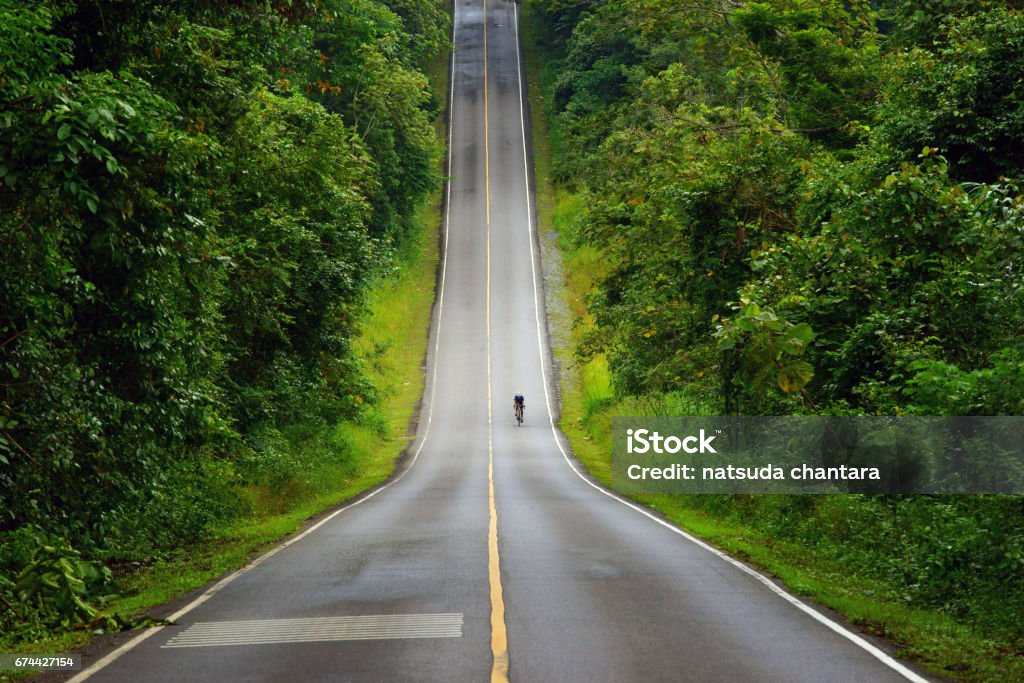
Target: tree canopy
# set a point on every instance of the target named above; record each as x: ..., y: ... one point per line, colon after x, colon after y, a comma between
x: 806, y: 207
x: 834, y: 165
x: 194, y: 199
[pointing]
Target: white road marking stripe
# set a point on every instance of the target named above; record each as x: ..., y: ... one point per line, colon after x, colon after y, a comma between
x: 400, y: 620
x: 188, y: 635
x: 313, y: 637
x: 320, y: 638
x: 258, y: 635
x: 278, y: 626
x: 838, y: 628
x: 245, y: 633
x: 325, y: 634
x: 374, y: 618
x: 323, y: 629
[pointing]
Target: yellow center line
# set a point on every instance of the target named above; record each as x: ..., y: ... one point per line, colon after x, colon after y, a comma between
x: 499, y: 637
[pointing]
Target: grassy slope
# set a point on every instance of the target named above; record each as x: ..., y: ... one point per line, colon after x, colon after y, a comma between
x: 931, y: 638
x: 394, y: 343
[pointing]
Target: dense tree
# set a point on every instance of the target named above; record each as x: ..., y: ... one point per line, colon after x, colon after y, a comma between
x: 194, y: 199
x: 963, y: 98
x: 716, y: 143
x: 809, y: 206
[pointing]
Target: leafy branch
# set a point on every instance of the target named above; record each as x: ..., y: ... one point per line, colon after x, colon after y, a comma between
x: 771, y: 348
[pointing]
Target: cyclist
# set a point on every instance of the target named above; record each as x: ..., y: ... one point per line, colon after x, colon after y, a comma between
x: 519, y: 407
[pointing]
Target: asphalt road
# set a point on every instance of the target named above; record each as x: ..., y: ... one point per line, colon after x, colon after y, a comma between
x: 491, y: 554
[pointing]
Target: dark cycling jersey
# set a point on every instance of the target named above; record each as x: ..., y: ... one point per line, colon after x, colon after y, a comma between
x: 519, y: 400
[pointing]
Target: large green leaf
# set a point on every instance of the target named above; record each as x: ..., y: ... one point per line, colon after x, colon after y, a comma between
x: 795, y: 376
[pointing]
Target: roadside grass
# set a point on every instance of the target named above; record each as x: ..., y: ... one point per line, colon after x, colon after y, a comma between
x: 393, y: 344
x: 931, y: 638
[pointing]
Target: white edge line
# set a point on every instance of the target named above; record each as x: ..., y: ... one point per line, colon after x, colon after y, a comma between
x: 855, y: 638
x: 217, y: 587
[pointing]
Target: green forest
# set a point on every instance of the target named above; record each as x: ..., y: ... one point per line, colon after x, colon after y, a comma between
x: 196, y: 199
x: 803, y: 207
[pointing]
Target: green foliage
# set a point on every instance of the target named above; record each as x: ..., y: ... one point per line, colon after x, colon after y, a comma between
x: 818, y: 203
x: 367, y: 73
x: 298, y: 263
x: 944, y: 388
x: 772, y: 348
x: 775, y: 153
x: 194, y: 201
x: 962, y: 97
x: 45, y: 583
x: 925, y: 22
x: 825, y: 60
x: 899, y: 273
x: 32, y: 55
